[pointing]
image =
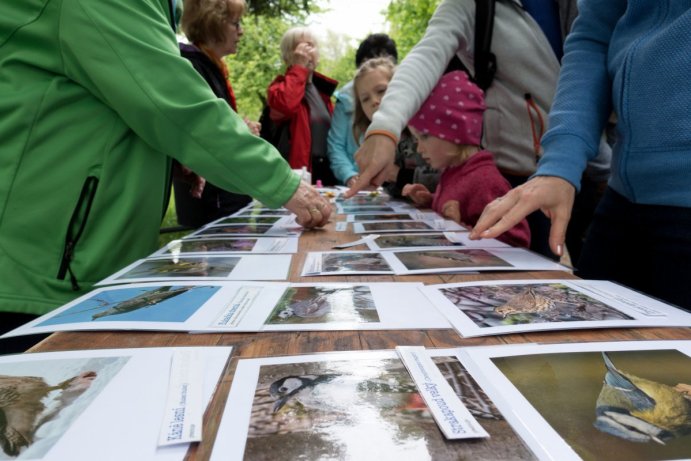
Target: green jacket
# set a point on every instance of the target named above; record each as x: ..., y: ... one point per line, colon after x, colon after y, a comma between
x: 94, y: 99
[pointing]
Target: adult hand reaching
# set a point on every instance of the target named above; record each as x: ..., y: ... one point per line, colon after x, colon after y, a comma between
x: 375, y: 158
x: 553, y: 195
x: 312, y: 209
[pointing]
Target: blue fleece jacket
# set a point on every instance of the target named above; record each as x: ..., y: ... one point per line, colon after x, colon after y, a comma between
x: 631, y: 56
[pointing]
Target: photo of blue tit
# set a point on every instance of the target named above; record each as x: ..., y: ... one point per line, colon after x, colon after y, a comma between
x: 641, y: 410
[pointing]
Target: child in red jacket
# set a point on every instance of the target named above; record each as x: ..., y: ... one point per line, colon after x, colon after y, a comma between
x: 448, y: 128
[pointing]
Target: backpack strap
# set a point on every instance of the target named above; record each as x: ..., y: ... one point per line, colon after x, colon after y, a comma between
x: 485, y: 60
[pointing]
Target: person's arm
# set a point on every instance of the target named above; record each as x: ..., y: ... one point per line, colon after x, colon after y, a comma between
x: 449, y: 30
x: 285, y: 94
x: 337, y: 141
x: 580, y: 110
x: 126, y: 55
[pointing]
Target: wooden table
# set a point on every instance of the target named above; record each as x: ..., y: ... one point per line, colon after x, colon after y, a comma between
x: 250, y: 345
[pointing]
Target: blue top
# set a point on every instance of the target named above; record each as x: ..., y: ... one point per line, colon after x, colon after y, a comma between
x: 546, y: 14
x: 630, y: 56
x: 340, y: 143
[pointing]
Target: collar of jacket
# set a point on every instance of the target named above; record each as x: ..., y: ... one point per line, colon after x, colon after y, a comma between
x: 324, y: 84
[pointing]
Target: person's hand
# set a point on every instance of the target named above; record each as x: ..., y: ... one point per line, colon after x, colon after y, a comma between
x: 452, y: 210
x: 303, y: 55
x: 553, y: 195
x: 419, y: 194
x: 312, y: 209
x: 376, y: 160
x: 188, y: 176
x: 255, y: 127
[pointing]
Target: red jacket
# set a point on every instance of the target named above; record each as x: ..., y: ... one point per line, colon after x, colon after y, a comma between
x: 286, y: 98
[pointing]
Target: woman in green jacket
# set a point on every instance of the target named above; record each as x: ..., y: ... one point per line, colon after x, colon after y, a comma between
x: 92, y: 110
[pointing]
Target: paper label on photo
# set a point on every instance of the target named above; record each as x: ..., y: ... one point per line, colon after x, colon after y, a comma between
x: 238, y: 308
x: 278, y: 245
x: 639, y: 307
x: 341, y: 226
x: 452, y: 417
x: 182, y: 419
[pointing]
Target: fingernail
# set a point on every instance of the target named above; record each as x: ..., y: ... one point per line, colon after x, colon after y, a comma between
x: 560, y: 250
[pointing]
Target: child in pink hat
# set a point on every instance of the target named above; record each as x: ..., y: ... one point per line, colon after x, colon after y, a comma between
x: 448, y: 128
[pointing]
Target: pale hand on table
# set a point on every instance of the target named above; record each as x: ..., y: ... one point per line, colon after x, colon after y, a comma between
x: 419, y: 194
x: 375, y: 158
x: 553, y: 195
x: 311, y: 209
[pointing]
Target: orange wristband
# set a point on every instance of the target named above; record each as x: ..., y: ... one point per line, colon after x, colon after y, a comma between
x: 388, y: 134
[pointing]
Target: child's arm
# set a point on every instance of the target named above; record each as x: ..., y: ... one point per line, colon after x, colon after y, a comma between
x: 419, y: 194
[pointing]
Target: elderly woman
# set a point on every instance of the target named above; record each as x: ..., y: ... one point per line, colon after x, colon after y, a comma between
x: 214, y: 28
x: 301, y: 98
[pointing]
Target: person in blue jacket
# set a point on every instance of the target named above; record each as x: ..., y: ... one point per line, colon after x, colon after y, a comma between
x: 341, y: 145
x: 632, y: 57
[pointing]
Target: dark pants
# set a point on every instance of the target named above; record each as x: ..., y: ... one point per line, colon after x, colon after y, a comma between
x: 10, y: 321
x: 646, y: 247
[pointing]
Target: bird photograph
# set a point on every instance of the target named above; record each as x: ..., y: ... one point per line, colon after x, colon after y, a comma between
x: 188, y: 267
x: 354, y: 262
x: 324, y: 304
x: 509, y: 304
x: 419, y: 260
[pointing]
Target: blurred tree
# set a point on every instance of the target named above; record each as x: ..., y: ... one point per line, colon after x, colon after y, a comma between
x: 408, y: 20
x: 281, y: 8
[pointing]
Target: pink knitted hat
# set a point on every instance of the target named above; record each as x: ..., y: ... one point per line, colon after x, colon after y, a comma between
x: 453, y: 111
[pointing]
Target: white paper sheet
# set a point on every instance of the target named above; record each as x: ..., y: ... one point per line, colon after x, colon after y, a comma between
x: 243, y: 306
x: 518, y: 306
x: 351, y: 405
x: 204, y: 267
x: 565, y: 401
x: 428, y: 241
x: 381, y: 227
x: 113, y: 407
x: 345, y: 263
x: 224, y: 245
x: 255, y: 230
x: 405, y: 262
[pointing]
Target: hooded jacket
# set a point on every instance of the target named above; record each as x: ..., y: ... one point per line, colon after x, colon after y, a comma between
x: 95, y: 98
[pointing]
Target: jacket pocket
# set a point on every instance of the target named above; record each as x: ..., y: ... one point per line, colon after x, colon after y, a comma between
x: 75, y: 228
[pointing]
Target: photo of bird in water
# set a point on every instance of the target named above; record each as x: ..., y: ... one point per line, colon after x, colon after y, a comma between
x: 642, y: 410
x: 324, y: 304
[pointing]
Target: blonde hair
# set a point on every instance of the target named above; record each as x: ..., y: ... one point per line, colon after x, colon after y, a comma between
x: 382, y: 63
x: 204, y: 21
x: 291, y: 39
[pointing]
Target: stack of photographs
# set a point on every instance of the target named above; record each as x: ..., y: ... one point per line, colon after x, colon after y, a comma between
x: 590, y: 401
x: 229, y: 307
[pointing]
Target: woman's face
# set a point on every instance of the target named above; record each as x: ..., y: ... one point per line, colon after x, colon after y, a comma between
x: 370, y: 90
x: 308, y: 50
x: 234, y: 31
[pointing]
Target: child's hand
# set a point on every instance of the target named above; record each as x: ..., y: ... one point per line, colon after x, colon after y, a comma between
x: 419, y: 194
x: 452, y: 210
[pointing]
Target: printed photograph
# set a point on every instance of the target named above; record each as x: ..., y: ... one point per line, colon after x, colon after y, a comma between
x: 187, y: 267
x: 354, y: 262
x: 452, y: 259
x: 375, y: 199
x: 629, y: 405
x: 40, y: 400
x: 257, y: 212
x: 355, y: 209
x: 396, y: 225
x: 144, y: 304
x: 383, y: 217
x: 212, y: 246
x: 230, y: 229
x: 501, y: 305
x: 324, y: 304
x: 366, y: 409
x: 421, y: 240
x: 249, y: 220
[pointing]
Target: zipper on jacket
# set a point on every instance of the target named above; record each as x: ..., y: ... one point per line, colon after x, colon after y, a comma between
x: 76, y: 228
x: 537, y: 124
